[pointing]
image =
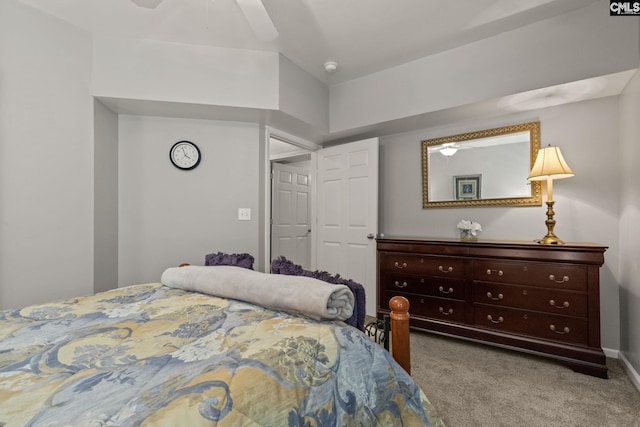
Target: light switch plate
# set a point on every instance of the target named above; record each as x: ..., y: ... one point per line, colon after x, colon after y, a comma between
x: 244, y: 214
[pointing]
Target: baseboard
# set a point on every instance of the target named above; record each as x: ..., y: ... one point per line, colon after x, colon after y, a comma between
x: 612, y: 353
x: 633, y: 374
x: 630, y: 370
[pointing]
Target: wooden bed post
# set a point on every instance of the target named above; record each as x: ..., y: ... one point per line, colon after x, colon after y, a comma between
x: 400, y: 343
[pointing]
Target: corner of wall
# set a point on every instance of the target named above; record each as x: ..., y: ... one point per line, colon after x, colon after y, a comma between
x: 303, y: 96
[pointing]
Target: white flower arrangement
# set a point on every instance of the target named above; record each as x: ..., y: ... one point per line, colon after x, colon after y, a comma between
x: 470, y: 227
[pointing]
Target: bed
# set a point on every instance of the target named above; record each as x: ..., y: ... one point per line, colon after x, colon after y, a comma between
x: 154, y: 354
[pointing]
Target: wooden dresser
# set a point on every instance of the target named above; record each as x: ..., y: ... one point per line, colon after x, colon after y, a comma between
x: 542, y: 299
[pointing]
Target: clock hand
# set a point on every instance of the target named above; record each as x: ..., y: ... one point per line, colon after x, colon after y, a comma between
x: 185, y: 154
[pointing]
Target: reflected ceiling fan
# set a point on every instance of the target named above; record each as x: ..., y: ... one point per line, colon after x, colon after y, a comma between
x: 253, y: 10
x: 448, y: 149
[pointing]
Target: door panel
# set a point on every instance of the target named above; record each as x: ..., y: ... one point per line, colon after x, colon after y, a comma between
x: 347, y: 212
x: 291, y: 209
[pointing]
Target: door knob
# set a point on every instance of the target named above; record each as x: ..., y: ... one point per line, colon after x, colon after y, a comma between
x: 371, y: 236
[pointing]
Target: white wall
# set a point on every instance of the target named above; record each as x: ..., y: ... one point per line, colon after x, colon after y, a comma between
x: 577, y: 45
x: 169, y: 216
x: 629, y: 220
x: 586, y: 205
x: 46, y: 158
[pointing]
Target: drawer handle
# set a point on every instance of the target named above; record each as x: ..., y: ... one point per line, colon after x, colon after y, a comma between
x: 441, y: 289
x: 442, y: 269
x: 398, y: 265
x: 448, y: 312
x: 401, y: 285
x: 490, y: 296
x: 491, y: 271
x: 566, y: 330
x: 490, y: 319
x: 553, y: 279
x: 564, y: 304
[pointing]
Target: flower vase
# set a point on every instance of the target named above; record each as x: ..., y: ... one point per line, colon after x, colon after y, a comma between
x: 468, y: 236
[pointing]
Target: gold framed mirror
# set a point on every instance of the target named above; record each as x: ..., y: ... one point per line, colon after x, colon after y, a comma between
x: 482, y: 168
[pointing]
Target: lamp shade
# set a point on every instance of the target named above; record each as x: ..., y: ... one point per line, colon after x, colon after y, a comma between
x: 550, y: 164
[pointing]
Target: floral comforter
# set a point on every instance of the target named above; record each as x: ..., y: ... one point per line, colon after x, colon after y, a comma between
x: 150, y: 355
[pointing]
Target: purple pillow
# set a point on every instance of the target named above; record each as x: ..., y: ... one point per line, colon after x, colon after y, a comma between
x: 238, y: 260
x: 281, y: 265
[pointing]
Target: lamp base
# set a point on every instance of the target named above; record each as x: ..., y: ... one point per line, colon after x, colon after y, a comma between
x: 550, y: 238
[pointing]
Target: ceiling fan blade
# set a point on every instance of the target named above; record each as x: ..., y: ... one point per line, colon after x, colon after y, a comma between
x: 259, y: 19
x: 147, y: 4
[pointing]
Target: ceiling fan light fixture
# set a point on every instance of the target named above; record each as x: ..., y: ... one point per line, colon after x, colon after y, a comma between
x: 448, y: 151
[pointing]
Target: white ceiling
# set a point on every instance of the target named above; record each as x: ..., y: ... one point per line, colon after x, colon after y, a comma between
x: 362, y: 36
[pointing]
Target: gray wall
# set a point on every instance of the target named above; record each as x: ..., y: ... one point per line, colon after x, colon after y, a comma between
x: 296, y: 88
x: 105, y: 184
x: 178, y: 72
x: 46, y: 158
x: 169, y: 216
x: 586, y: 205
x: 629, y: 220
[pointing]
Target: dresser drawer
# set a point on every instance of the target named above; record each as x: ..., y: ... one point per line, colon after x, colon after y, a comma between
x: 548, y: 275
x: 422, y: 264
x: 566, y: 303
x: 424, y: 285
x: 436, y: 308
x: 540, y: 325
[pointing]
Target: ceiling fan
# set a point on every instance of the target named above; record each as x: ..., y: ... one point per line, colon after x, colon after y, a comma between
x: 447, y: 149
x: 253, y: 10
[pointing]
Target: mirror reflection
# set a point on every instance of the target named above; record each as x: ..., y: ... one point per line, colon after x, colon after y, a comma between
x: 488, y: 167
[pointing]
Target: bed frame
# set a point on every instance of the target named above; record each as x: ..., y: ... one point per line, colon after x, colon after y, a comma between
x: 400, y: 348
x: 392, y: 332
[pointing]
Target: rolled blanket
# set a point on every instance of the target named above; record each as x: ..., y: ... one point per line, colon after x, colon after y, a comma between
x: 303, y: 295
x: 282, y: 265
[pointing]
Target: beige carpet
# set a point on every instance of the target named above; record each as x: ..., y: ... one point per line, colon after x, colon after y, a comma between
x: 478, y: 385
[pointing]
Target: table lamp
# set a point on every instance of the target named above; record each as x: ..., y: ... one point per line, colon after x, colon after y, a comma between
x: 550, y: 165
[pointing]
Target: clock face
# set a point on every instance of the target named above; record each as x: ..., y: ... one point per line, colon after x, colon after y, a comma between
x: 185, y: 155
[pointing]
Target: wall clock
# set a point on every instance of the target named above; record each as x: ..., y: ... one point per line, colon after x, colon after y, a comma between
x: 185, y: 155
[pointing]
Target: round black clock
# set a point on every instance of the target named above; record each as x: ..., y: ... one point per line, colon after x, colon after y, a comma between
x: 185, y: 155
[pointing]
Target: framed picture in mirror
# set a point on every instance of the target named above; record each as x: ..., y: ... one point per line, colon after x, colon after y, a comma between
x: 467, y: 187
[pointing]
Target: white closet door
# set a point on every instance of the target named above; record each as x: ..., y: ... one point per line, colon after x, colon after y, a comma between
x: 291, y: 210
